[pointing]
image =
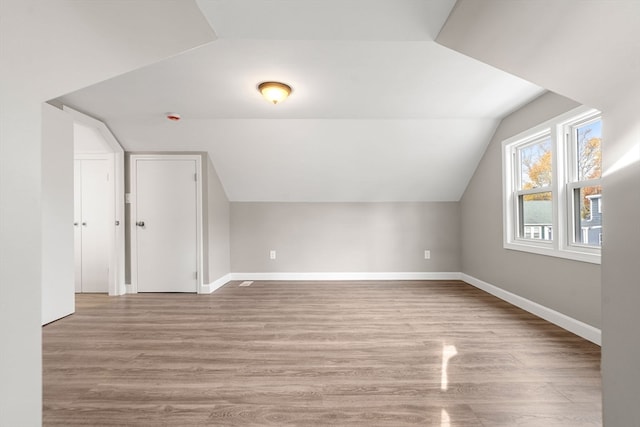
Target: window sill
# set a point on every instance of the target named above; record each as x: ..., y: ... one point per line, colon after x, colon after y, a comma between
x: 575, y: 255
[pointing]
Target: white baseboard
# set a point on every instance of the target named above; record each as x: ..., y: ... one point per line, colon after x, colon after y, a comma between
x: 208, y: 288
x: 579, y: 328
x: 347, y: 276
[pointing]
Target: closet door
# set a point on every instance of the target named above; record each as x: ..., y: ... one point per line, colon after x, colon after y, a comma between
x: 166, y: 225
x: 94, y: 226
x: 77, y: 220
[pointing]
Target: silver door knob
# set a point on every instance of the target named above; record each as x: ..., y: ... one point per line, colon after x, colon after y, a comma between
x: 75, y: 224
x: 140, y: 223
x: 84, y: 224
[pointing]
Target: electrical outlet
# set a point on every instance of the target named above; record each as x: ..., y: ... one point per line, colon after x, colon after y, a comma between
x: 427, y: 254
x: 272, y: 254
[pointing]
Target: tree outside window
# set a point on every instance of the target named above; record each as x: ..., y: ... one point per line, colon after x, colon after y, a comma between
x: 555, y: 211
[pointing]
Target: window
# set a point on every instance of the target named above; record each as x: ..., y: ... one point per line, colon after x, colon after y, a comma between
x: 552, y: 187
x: 585, y: 167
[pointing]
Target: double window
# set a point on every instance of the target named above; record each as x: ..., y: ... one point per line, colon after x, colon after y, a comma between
x: 552, y: 191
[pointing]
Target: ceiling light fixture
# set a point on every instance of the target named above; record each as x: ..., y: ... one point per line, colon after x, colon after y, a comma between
x: 274, y: 91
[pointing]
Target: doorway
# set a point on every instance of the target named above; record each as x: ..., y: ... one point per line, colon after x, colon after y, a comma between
x: 99, y: 195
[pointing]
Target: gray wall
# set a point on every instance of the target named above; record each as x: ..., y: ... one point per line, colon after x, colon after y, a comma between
x: 345, y: 237
x: 570, y: 287
x: 218, y: 262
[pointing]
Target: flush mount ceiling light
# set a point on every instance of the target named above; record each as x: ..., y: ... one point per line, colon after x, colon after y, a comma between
x: 274, y: 91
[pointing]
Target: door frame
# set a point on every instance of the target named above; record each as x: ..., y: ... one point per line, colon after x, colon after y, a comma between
x: 133, y: 229
x: 117, y: 239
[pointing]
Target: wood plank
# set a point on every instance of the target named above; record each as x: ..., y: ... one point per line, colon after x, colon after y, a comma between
x: 315, y: 354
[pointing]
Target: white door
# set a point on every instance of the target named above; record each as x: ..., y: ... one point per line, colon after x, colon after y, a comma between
x: 77, y: 219
x: 92, y: 206
x: 166, y: 225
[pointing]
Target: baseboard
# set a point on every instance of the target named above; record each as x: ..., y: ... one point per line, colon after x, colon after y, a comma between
x: 579, y: 328
x: 575, y: 326
x: 347, y: 276
x: 205, y: 288
x: 208, y: 288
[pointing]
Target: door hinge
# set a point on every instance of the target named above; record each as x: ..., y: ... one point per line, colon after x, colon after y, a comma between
x: 196, y: 275
x: 195, y: 177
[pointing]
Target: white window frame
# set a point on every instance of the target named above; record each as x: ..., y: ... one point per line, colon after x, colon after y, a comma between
x: 561, y: 189
x: 574, y: 184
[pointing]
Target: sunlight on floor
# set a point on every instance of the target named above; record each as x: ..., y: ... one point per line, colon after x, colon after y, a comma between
x: 445, y: 421
x: 448, y: 351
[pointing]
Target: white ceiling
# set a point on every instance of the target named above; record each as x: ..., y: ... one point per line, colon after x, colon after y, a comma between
x: 586, y: 50
x: 379, y: 111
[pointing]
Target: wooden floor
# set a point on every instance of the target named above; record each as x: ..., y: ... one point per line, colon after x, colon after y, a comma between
x: 316, y: 354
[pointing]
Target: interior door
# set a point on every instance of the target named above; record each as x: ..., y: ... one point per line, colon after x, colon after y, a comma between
x: 91, y: 225
x: 77, y: 220
x: 94, y: 225
x: 166, y: 225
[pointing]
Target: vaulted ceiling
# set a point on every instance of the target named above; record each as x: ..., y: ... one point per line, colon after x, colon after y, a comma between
x: 379, y: 110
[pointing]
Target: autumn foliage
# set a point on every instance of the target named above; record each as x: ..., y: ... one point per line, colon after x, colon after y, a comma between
x: 538, y: 168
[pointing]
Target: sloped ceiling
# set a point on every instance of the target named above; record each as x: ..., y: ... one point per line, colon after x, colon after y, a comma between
x: 586, y: 50
x: 379, y: 112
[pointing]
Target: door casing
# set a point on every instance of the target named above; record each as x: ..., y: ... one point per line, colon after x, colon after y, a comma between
x: 133, y: 229
x: 117, y: 239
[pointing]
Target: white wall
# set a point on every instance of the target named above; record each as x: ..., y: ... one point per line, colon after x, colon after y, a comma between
x: 20, y: 258
x: 345, y: 237
x: 48, y: 48
x: 88, y: 140
x: 621, y: 261
x: 58, y: 298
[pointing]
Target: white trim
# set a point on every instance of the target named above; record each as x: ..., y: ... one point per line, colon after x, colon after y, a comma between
x: 575, y: 326
x: 574, y: 255
x: 208, y: 288
x: 113, y: 287
x: 116, y: 156
x: 133, y: 158
x: 560, y: 246
x: 347, y: 276
x: 579, y: 328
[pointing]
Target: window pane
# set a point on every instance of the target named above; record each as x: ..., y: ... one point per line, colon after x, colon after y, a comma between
x: 536, y: 213
x: 535, y: 164
x: 589, y: 137
x: 588, y: 212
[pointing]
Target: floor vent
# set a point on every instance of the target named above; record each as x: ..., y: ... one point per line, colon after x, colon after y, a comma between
x: 247, y: 283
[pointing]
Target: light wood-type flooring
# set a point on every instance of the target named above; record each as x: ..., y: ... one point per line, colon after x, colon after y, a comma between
x: 401, y: 353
